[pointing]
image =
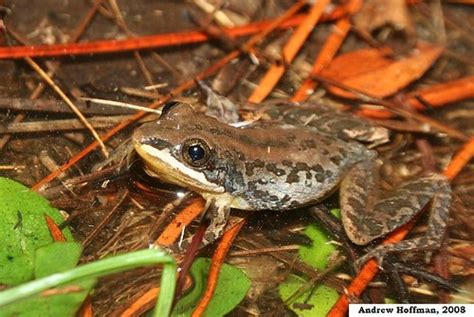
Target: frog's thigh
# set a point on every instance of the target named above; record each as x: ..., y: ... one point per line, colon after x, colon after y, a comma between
x: 368, y: 213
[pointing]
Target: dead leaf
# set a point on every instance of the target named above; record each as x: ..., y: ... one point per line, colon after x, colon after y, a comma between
x: 377, y: 75
x: 358, y: 62
x: 379, y: 13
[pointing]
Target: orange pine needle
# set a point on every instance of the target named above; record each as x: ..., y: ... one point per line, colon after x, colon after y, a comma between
x: 370, y: 269
x: 289, y: 52
x: 215, y: 267
x: 374, y: 113
x: 137, y: 306
x: 441, y: 94
x: 152, y: 41
x: 460, y: 160
x: 56, y: 233
x: 436, y: 96
x: 184, y: 218
x: 328, y: 51
x: 86, y: 308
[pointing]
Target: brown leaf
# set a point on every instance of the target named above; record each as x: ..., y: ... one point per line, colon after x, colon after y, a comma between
x: 378, y: 13
x: 356, y: 63
x: 375, y: 74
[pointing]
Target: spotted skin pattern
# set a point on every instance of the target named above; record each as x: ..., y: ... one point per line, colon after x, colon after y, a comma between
x: 293, y: 156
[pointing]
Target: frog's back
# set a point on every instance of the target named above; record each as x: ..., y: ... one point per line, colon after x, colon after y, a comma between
x: 266, y: 165
x: 284, y: 167
x: 327, y: 120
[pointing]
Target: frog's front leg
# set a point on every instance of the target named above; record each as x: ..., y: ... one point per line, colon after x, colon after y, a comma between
x: 217, y: 210
x: 369, y: 213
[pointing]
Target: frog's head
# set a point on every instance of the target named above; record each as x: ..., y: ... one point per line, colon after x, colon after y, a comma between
x: 177, y: 148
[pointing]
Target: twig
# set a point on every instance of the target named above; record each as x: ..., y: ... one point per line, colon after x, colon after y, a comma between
x: 49, y: 163
x: 11, y: 167
x: 54, y: 230
x: 58, y: 125
x: 160, y: 60
x: 122, y: 105
x: 136, y: 54
x: 143, y: 93
x: 461, y: 159
x: 5, y: 138
x: 75, y: 36
x: 57, y: 106
x: 217, y: 14
x: 261, y: 251
x: 68, y: 101
x: 90, y: 237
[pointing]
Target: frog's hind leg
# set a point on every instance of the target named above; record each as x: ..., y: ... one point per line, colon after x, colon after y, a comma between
x: 369, y: 213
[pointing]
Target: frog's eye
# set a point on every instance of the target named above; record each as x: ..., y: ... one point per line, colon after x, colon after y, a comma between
x: 168, y: 106
x: 195, y: 152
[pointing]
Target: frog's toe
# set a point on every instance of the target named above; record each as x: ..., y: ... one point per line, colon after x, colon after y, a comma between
x: 378, y: 254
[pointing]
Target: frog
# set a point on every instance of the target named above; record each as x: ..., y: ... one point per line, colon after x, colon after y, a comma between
x: 294, y: 155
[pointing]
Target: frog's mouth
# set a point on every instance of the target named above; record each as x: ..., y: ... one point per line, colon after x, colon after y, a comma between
x: 161, y: 164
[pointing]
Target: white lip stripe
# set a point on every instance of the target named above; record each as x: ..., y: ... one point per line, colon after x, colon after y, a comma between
x: 165, y: 157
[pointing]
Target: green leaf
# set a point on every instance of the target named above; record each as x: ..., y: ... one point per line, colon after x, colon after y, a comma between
x: 30, y: 252
x: 232, y: 286
x: 75, y: 277
x: 336, y: 212
x: 56, y: 257
x: 318, y: 253
x: 22, y: 230
x: 55, y: 305
x: 53, y: 258
x: 317, y: 302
